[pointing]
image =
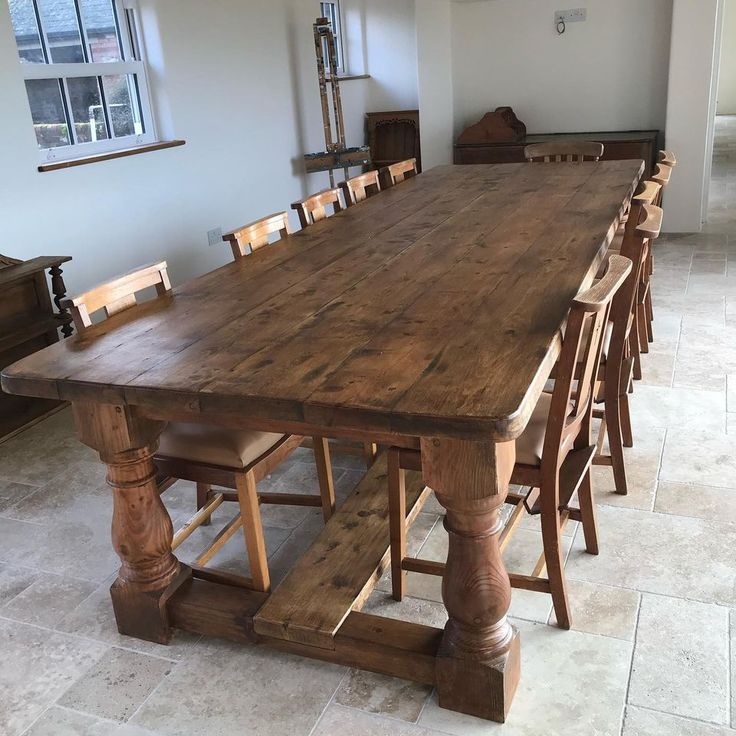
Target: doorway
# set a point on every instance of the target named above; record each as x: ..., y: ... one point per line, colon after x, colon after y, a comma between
x: 721, y: 217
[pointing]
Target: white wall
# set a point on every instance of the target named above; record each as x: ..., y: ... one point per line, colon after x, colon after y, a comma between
x: 691, y: 109
x: 237, y: 80
x: 727, y: 89
x: 434, y: 70
x: 609, y: 73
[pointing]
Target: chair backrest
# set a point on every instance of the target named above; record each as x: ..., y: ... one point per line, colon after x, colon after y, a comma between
x: 667, y: 158
x: 250, y: 238
x: 117, y: 295
x: 647, y: 219
x: 396, y: 173
x: 577, y: 369
x: 314, y: 208
x: 648, y: 192
x: 359, y: 188
x: 558, y: 151
x: 661, y: 175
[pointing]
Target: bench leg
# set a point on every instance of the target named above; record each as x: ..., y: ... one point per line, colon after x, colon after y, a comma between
x: 324, y: 476
x: 397, y: 521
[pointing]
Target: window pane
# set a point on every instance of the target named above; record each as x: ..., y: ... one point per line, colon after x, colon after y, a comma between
x: 101, y: 28
x: 85, y: 102
x: 47, y: 110
x: 59, y: 20
x: 25, y: 27
x: 121, y: 95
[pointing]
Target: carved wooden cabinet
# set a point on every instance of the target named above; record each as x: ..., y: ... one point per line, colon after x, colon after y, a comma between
x: 394, y: 136
x: 633, y: 144
x: 29, y: 321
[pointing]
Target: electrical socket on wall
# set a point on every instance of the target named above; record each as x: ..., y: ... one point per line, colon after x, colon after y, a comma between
x: 214, y: 236
x: 576, y: 15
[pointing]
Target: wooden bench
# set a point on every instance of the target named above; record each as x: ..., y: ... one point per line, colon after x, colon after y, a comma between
x: 341, y: 568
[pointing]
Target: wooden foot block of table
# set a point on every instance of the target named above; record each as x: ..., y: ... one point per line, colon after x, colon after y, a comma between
x: 484, y: 689
x: 341, y: 567
x: 144, y: 615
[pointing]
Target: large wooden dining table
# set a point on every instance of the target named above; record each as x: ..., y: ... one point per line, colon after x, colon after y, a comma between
x: 428, y: 315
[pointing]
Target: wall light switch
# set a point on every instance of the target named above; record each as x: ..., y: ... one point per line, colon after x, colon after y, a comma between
x: 214, y: 236
x: 576, y: 15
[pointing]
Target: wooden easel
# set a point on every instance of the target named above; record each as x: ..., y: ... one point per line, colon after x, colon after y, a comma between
x: 336, y: 155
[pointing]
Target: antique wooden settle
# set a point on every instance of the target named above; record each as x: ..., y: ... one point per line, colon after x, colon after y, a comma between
x: 29, y: 321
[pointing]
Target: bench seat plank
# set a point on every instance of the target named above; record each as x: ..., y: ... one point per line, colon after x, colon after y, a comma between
x: 341, y: 567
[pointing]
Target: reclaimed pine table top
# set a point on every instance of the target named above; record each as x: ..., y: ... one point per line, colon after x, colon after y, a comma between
x: 433, y: 309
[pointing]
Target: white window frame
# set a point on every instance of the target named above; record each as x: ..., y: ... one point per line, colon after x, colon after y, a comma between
x: 134, y: 63
x: 339, y: 35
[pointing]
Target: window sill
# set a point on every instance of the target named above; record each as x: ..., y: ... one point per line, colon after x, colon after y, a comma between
x: 56, y: 165
x: 349, y: 77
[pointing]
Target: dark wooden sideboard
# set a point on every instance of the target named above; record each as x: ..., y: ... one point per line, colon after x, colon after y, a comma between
x: 29, y: 321
x: 631, y: 144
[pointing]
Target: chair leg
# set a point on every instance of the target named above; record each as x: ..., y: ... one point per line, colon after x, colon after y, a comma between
x: 324, y: 475
x: 253, y: 530
x: 650, y: 315
x: 588, y: 514
x: 625, y: 413
x: 397, y: 522
x: 203, y: 493
x: 634, y: 347
x: 552, y: 541
x: 615, y: 443
x: 642, y: 319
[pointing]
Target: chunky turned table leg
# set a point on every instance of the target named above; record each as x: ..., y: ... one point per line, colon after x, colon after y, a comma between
x: 141, y: 527
x: 478, y: 665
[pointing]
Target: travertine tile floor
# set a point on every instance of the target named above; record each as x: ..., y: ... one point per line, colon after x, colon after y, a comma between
x: 654, y: 622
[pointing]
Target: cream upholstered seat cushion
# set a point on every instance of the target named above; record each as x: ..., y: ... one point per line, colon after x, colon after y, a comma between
x: 530, y: 445
x: 230, y: 448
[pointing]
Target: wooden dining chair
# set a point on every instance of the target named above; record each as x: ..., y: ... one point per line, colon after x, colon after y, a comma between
x: 360, y: 188
x: 314, y: 208
x: 553, y: 455
x: 396, y: 173
x: 212, y: 456
x: 616, y: 370
x: 559, y: 151
x: 667, y: 158
x: 648, y: 193
x: 662, y: 175
x: 250, y: 238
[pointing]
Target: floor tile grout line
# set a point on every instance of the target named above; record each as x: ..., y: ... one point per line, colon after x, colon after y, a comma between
x: 150, y: 695
x: 693, y: 719
x: 731, y: 694
x: 633, y: 655
x: 330, y: 701
x: 659, y: 472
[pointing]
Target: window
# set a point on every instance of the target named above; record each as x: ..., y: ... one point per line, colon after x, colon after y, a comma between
x: 331, y: 11
x: 84, y: 74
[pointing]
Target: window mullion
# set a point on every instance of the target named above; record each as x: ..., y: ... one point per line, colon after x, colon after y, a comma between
x: 66, y: 102
x: 135, y: 41
x: 82, y: 32
x: 43, y: 38
x: 124, y: 47
x: 105, y: 110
